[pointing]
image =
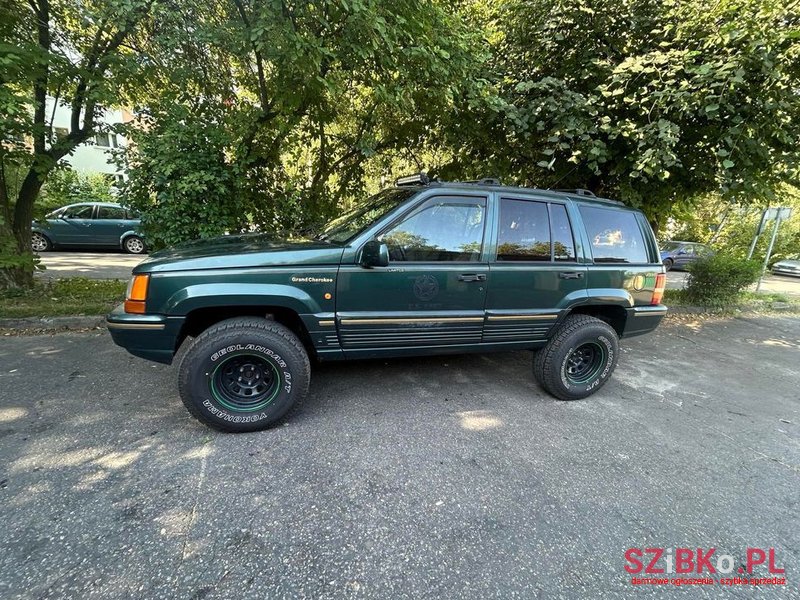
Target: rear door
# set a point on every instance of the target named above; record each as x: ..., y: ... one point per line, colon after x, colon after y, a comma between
x: 432, y: 294
x: 535, y: 271
x: 109, y: 225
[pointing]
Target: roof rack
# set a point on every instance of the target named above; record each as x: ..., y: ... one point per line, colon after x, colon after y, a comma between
x: 420, y: 178
x: 578, y: 192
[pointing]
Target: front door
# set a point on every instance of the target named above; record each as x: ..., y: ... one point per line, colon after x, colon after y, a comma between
x: 534, y: 272
x: 73, y: 227
x: 431, y: 295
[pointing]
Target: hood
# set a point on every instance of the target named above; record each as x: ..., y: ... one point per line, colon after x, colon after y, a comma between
x: 237, y: 251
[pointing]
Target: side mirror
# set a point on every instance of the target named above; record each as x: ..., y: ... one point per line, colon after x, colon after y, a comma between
x: 374, y: 254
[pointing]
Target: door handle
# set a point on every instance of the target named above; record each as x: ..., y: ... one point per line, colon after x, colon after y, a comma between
x: 472, y: 277
x: 570, y: 275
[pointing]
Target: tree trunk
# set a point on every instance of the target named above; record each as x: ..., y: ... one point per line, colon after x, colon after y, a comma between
x: 19, y: 262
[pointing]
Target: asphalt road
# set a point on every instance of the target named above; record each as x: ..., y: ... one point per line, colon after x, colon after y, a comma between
x: 440, y: 477
x: 94, y: 265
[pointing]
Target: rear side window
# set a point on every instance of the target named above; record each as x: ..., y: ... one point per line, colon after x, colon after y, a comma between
x: 110, y: 212
x: 527, y: 229
x: 615, y: 235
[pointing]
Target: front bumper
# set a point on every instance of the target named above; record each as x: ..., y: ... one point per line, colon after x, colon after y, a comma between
x: 153, y: 337
x: 785, y: 271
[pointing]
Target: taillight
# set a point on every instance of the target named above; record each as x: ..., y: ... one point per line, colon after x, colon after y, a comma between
x: 658, y: 292
x: 137, y: 294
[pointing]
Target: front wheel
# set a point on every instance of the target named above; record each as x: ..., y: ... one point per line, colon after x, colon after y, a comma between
x: 578, y: 359
x: 133, y: 244
x: 668, y: 264
x: 243, y: 374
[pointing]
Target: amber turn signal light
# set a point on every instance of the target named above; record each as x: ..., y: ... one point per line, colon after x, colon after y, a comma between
x: 137, y: 294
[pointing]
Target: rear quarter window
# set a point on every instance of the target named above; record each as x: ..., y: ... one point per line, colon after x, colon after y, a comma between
x: 614, y: 235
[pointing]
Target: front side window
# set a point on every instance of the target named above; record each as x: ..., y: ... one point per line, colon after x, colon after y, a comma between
x: 441, y: 230
x: 615, y: 235
x: 82, y: 211
x: 110, y: 212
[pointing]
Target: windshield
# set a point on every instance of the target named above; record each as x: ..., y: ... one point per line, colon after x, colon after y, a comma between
x: 342, y: 229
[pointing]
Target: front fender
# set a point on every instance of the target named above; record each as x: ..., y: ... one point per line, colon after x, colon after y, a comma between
x: 211, y: 295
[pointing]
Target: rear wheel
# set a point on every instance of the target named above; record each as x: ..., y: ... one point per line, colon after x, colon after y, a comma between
x: 668, y: 264
x: 578, y: 359
x: 243, y: 374
x: 133, y: 244
x: 40, y: 242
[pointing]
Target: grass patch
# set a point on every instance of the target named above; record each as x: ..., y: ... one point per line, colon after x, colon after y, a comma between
x: 73, y: 296
x: 743, y: 301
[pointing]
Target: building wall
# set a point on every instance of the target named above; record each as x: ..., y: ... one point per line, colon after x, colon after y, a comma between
x: 93, y: 156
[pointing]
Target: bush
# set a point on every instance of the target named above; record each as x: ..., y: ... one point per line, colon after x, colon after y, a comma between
x: 719, y: 280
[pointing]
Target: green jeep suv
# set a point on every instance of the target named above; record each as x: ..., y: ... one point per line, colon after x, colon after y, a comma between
x: 422, y: 268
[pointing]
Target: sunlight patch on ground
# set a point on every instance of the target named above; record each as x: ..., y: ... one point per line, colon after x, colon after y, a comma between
x: 11, y: 414
x: 479, y: 420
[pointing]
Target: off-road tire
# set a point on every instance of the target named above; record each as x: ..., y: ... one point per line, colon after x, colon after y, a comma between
x: 253, y: 348
x: 551, y: 364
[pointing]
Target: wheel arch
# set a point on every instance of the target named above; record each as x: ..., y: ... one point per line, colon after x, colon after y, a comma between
x: 199, y: 319
x: 613, y: 314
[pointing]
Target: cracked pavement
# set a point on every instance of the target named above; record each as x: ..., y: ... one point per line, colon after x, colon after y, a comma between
x: 452, y: 477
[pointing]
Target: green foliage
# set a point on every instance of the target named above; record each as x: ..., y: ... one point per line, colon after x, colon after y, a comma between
x: 65, y: 186
x: 72, y: 296
x: 653, y: 102
x: 719, y: 280
x: 300, y: 105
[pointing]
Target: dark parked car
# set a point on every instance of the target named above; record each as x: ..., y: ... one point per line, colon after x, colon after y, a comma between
x: 424, y: 268
x: 678, y: 255
x: 88, y: 224
x: 787, y: 267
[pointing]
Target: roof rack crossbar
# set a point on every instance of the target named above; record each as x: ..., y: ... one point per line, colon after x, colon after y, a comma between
x: 578, y: 192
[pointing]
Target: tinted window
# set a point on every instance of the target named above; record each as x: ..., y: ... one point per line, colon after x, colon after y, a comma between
x: 441, y: 230
x: 82, y: 211
x: 110, y: 212
x: 615, y: 235
x: 563, y: 242
x: 524, y: 232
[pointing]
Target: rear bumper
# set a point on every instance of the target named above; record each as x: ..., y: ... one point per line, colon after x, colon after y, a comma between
x: 643, y: 319
x: 153, y: 337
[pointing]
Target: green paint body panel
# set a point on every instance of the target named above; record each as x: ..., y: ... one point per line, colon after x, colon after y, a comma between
x: 403, y: 309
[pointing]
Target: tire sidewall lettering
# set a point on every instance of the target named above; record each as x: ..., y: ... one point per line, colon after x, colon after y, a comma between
x: 284, y: 373
x: 249, y: 348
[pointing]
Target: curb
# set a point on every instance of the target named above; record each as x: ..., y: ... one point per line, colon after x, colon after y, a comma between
x: 76, y: 323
